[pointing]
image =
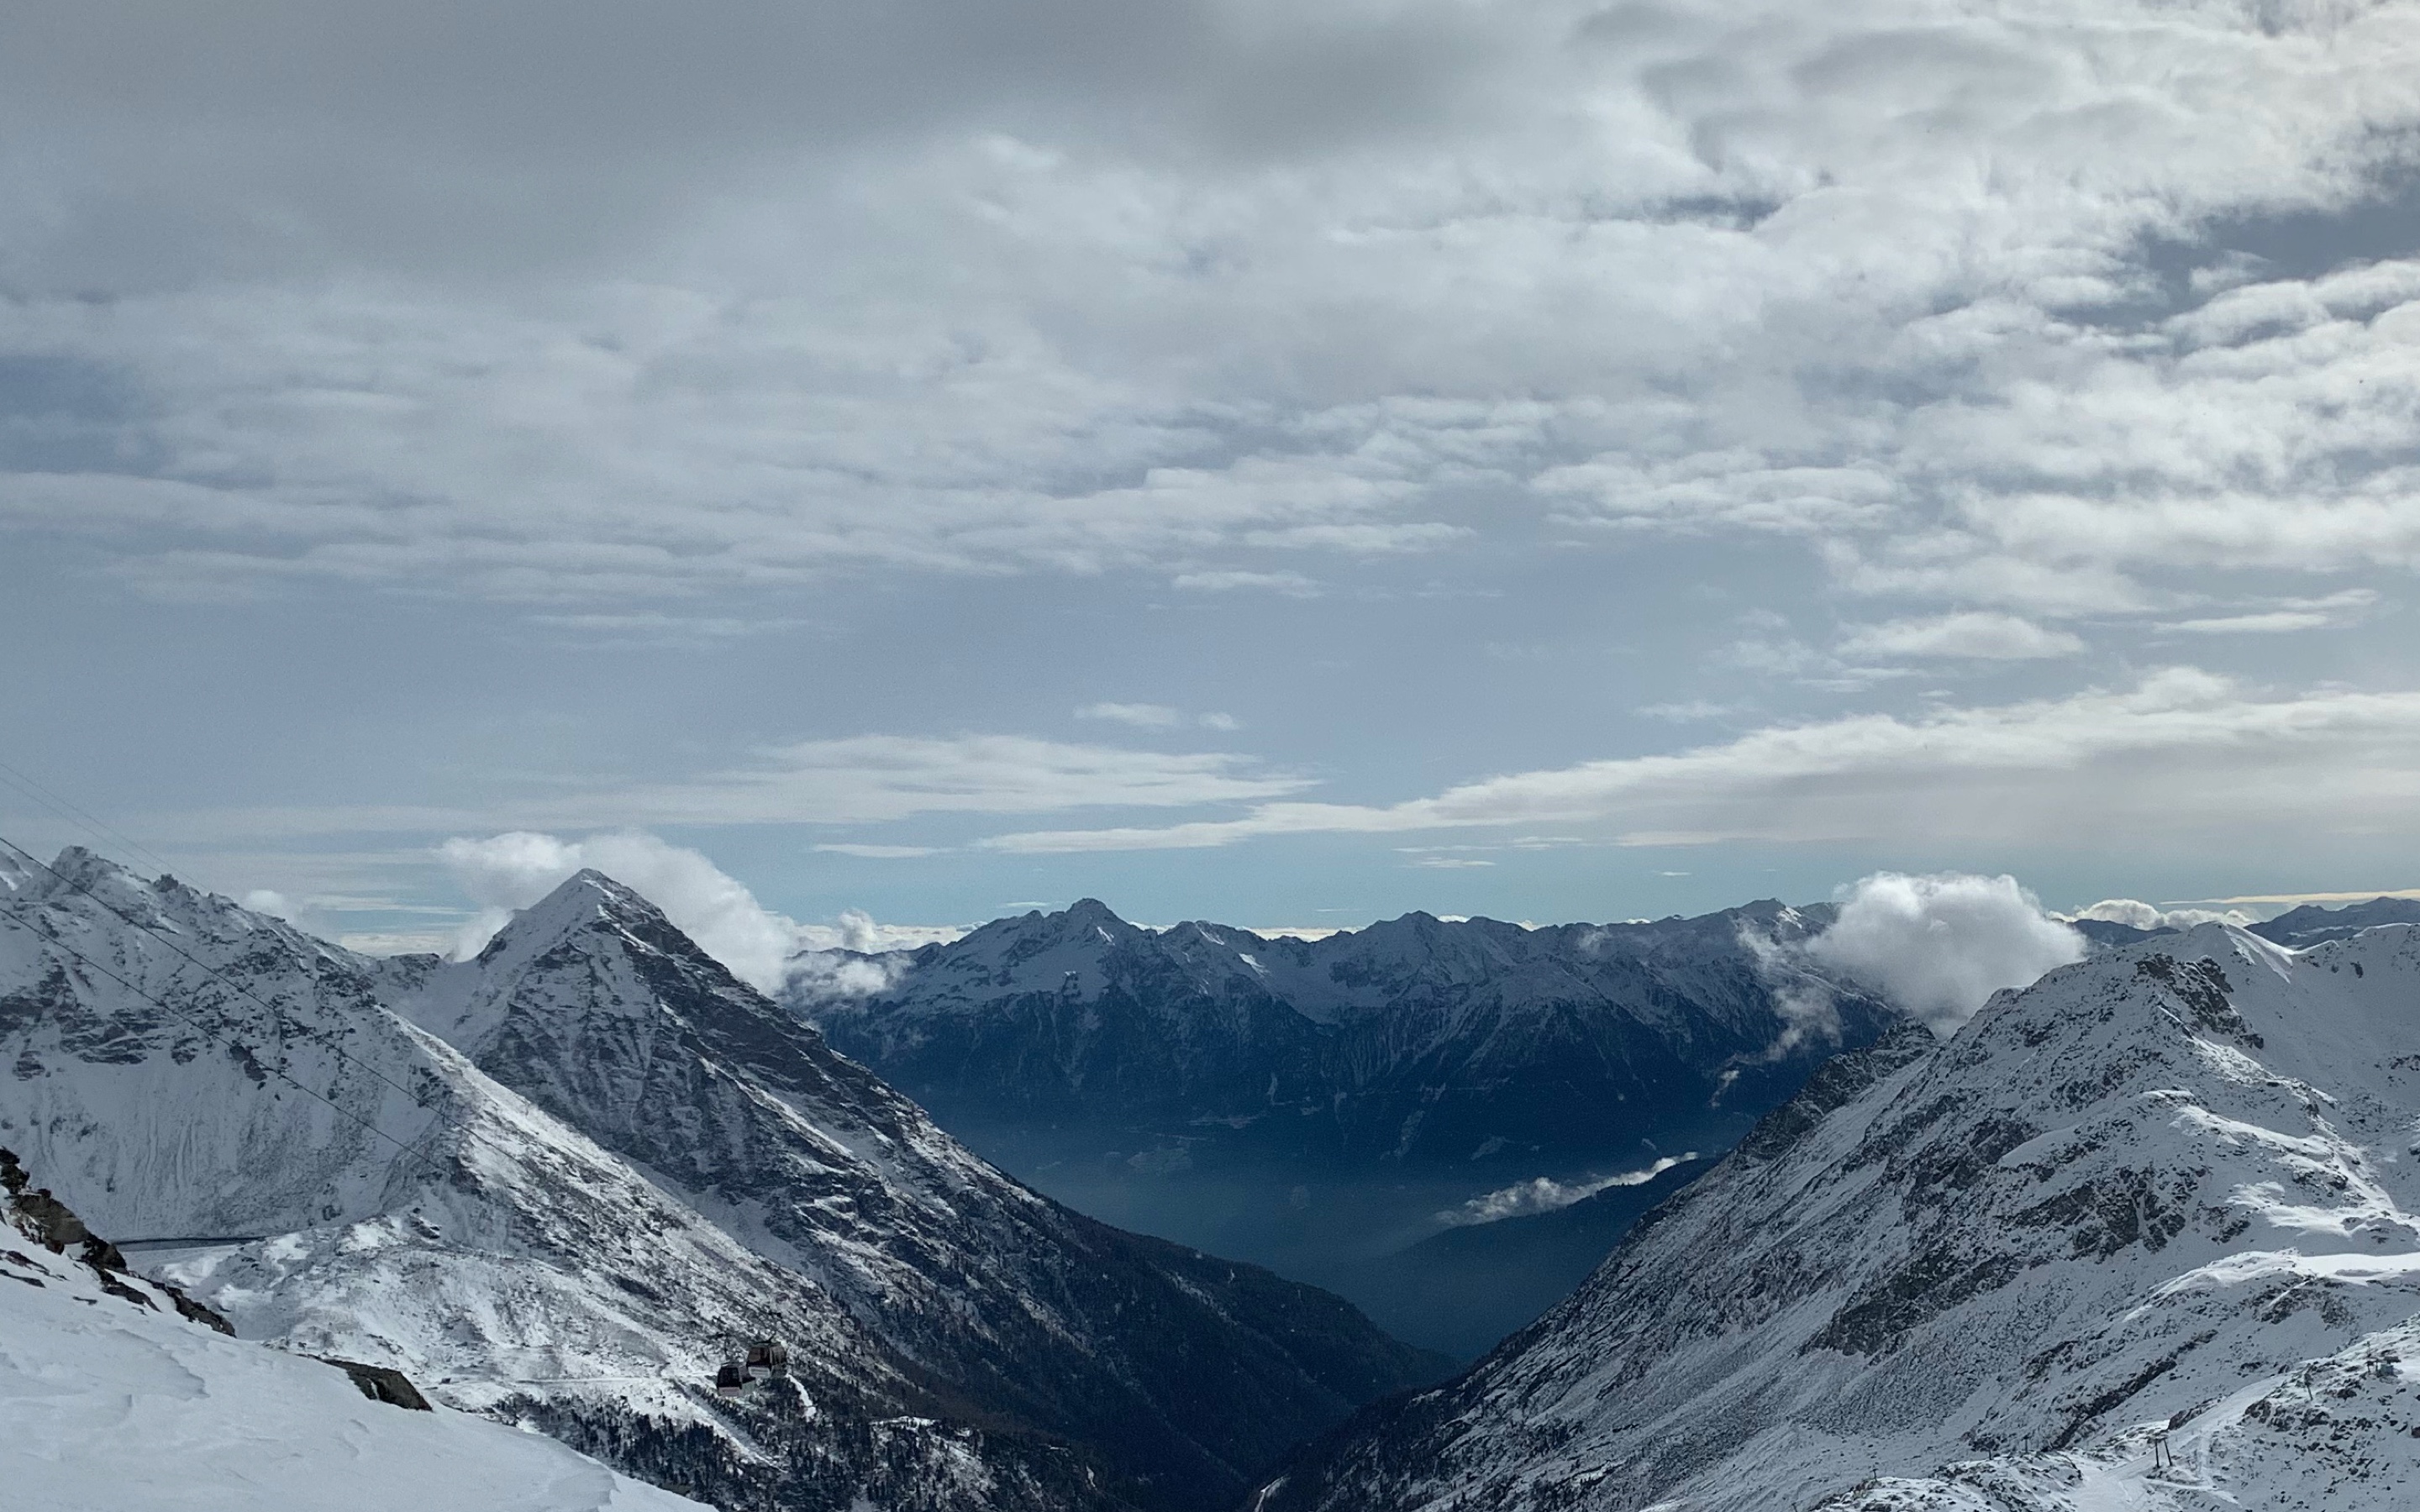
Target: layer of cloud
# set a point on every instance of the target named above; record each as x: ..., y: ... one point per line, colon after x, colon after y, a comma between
x: 878, y: 853
x: 870, y: 779
x: 2284, y: 617
x: 1975, y: 634
x: 854, y: 780
x: 2180, y: 752
x: 1939, y: 946
x: 777, y: 293
x: 1155, y: 716
x: 1544, y: 1193
x: 2137, y: 914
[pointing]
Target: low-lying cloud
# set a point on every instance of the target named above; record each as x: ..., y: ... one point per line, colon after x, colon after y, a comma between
x: 1544, y: 1193
x: 1940, y: 946
x: 2138, y: 914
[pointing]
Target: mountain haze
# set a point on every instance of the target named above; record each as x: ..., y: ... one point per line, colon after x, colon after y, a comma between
x: 1318, y: 1104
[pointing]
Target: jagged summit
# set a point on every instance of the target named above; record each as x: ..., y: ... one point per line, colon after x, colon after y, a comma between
x: 584, y: 901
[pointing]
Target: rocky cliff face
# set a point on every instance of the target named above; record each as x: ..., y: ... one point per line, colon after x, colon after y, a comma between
x: 2172, y: 1185
x: 662, y: 1166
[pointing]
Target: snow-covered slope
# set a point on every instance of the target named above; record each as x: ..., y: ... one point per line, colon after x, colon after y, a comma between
x: 2171, y: 1184
x: 1183, y: 1372
x: 375, y: 1195
x: 112, y: 1402
x: 662, y: 1166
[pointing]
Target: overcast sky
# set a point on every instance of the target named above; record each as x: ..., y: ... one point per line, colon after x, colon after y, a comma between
x: 1275, y: 463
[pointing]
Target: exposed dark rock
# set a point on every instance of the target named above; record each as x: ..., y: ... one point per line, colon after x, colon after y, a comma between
x: 380, y: 1383
x: 47, y: 1220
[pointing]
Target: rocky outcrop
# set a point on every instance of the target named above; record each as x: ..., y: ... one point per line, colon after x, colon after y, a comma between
x: 49, y: 1223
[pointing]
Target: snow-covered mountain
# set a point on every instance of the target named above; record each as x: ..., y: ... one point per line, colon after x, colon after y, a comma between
x: 109, y: 1398
x: 661, y: 1165
x: 1179, y: 1370
x: 2166, y: 1193
x: 1315, y: 1103
x: 2311, y: 924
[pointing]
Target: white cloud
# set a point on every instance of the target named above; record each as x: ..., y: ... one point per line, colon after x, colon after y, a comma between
x: 1691, y: 711
x: 2139, y: 915
x: 1544, y: 1193
x: 1156, y: 716
x: 2287, y: 617
x: 506, y: 873
x: 857, y: 779
x: 1940, y: 946
x: 270, y: 901
x: 1978, y: 634
x: 2295, y: 899
x: 1293, y: 584
x: 1143, y: 715
x: 820, y: 977
x: 879, y: 853
x: 2181, y: 752
x: 1178, y: 324
x: 868, y: 778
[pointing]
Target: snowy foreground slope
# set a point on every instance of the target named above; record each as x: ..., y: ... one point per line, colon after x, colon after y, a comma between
x: 2165, y: 1194
x: 111, y: 1402
x: 661, y: 1167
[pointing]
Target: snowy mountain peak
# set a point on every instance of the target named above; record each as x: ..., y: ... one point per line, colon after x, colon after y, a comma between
x: 1089, y: 911
x: 581, y: 901
x: 78, y: 873
x: 1087, y: 922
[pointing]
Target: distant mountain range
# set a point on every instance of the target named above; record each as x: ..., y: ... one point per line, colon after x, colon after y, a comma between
x: 559, y: 1184
x: 2313, y: 925
x: 1318, y: 1104
x: 2139, y: 1236
x: 2144, y: 1235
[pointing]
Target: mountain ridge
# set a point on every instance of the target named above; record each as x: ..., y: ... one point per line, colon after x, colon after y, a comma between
x: 2123, y: 1198
x: 524, y: 1261
x: 1314, y: 1104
